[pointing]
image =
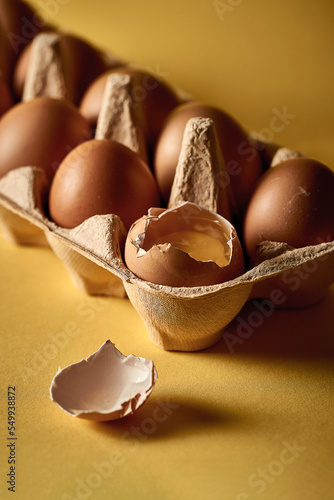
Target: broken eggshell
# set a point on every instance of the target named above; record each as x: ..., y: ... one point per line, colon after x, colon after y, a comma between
x: 105, y: 386
x: 184, y: 246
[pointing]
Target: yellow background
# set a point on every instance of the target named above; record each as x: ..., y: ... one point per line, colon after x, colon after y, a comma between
x: 231, y: 415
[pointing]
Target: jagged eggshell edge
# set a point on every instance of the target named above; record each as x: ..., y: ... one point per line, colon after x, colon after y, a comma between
x: 105, y: 386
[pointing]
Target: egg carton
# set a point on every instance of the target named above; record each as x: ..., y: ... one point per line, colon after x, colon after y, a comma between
x: 185, y: 318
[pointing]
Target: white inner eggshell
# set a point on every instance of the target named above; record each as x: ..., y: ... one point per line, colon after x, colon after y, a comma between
x: 105, y: 386
x: 201, y: 221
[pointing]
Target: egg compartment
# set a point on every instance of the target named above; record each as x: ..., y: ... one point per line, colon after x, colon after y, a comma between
x: 97, y: 240
x: 50, y: 65
x: 23, y: 217
x: 186, y: 319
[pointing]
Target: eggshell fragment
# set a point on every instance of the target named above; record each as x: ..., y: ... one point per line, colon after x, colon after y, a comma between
x: 105, y: 386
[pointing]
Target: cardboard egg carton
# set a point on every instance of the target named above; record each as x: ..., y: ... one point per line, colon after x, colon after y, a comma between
x: 186, y: 319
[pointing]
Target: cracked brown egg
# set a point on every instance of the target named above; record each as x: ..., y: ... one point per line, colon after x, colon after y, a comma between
x: 185, y: 246
x: 293, y: 203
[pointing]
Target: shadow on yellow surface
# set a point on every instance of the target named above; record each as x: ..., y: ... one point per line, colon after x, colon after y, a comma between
x: 303, y: 334
x: 188, y: 418
x: 276, y: 338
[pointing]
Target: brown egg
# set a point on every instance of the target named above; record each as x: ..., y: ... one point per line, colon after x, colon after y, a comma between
x: 7, y: 57
x: 101, y: 177
x: 293, y: 203
x: 157, y: 97
x: 19, y: 23
x: 242, y: 160
x: 6, y: 100
x: 82, y: 62
x: 18, y: 17
x: 40, y: 133
x: 20, y: 72
x: 184, y: 246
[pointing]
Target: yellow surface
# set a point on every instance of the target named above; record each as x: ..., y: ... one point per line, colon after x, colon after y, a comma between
x: 231, y: 416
